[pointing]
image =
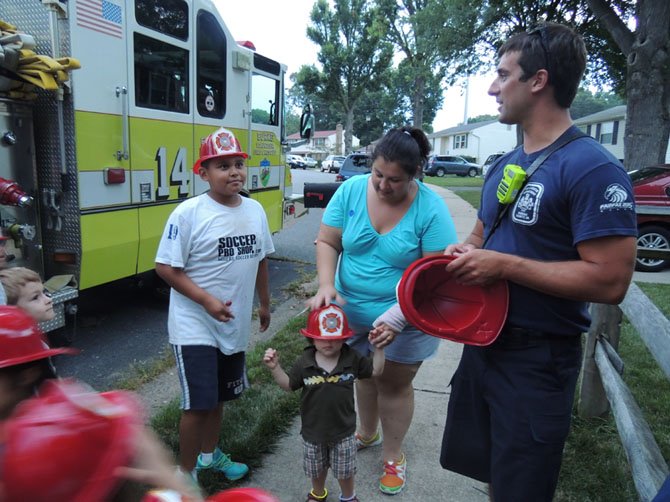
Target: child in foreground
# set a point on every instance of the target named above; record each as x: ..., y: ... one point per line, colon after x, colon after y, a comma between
x: 326, y: 372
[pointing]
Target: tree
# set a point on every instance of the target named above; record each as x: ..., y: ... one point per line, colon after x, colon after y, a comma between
x: 431, y: 34
x: 306, y: 90
x: 353, y: 55
x: 586, y: 103
x: 647, y: 50
x: 482, y: 118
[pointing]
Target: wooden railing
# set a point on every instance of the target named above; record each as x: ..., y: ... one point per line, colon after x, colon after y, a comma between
x: 603, y: 389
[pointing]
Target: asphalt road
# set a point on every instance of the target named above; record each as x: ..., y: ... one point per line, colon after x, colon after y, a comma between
x: 124, y: 323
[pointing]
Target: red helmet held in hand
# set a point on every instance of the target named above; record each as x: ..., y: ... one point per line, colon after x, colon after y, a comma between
x: 432, y: 301
x: 21, y: 339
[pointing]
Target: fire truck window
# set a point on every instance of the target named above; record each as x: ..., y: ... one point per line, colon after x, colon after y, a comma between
x: 264, y: 98
x: 169, y: 17
x: 161, y: 75
x: 211, y: 67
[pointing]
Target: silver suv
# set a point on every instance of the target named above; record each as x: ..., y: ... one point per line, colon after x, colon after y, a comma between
x: 439, y: 165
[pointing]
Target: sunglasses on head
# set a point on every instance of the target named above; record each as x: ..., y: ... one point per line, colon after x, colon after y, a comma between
x: 541, y: 31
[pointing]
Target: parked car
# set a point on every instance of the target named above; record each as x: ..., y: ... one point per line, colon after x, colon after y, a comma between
x: 439, y: 165
x: 309, y: 161
x: 353, y: 165
x: 295, y: 161
x: 490, y: 160
x: 332, y: 163
x: 651, y: 187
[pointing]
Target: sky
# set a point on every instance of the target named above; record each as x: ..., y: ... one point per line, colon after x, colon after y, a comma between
x: 277, y: 29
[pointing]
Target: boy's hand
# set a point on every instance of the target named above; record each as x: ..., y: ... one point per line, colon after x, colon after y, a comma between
x: 264, y: 317
x: 218, y: 310
x: 271, y: 358
x: 381, y: 336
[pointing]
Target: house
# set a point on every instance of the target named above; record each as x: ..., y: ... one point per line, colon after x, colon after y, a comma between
x: 477, y: 140
x: 321, y: 144
x: 607, y: 127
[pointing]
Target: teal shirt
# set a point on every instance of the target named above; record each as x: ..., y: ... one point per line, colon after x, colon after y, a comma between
x: 371, y: 264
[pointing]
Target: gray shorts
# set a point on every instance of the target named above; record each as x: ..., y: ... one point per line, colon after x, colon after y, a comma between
x: 339, y: 456
x: 411, y: 346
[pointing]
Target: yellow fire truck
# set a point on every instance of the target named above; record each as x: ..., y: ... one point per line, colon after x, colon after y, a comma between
x: 103, y: 159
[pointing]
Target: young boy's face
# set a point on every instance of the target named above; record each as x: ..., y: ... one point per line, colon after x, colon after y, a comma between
x: 226, y: 177
x: 328, y: 348
x: 35, y: 302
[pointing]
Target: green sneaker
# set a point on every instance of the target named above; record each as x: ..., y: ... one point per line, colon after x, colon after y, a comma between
x: 222, y: 463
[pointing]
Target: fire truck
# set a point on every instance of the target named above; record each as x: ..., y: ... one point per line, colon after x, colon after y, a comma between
x: 90, y: 169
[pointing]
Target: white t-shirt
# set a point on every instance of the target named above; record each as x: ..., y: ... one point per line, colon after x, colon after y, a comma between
x: 219, y: 248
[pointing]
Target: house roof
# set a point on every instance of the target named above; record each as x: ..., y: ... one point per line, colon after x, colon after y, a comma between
x: 317, y: 134
x: 616, y: 112
x: 461, y: 128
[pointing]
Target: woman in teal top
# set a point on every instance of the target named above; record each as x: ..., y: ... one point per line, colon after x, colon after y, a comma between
x: 375, y: 226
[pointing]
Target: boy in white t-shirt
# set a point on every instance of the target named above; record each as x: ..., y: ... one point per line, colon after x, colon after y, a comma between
x: 213, y: 255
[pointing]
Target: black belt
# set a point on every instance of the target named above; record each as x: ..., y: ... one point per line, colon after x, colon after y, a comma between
x: 512, y: 334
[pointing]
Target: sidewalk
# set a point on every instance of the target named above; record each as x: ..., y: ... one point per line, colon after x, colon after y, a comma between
x: 282, y: 472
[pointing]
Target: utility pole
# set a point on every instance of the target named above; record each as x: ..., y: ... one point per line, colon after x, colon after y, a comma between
x: 467, y: 96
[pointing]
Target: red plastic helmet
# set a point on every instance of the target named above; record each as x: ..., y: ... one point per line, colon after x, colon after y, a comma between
x: 437, y: 305
x: 221, y: 143
x: 327, y: 323
x: 21, y: 340
x: 65, y: 444
x: 243, y: 495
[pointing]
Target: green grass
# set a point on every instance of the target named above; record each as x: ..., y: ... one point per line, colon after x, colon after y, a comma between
x: 456, y: 183
x: 453, y: 181
x: 143, y: 372
x: 595, y: 467
x: 471, y: 196
x: 252, y: 423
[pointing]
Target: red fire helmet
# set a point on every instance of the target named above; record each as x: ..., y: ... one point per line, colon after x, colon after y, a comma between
x: 221, y: 143
x: 65, y: 444
x: 21, y: 340
x: 327, y: 323
x: 436, y: 304
x: 243, y: 495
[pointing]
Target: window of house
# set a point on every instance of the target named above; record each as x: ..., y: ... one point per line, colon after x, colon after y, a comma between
x: 161, y: 75
x: 319, y: 141
x: 606, y: 130
x: 460, y: 141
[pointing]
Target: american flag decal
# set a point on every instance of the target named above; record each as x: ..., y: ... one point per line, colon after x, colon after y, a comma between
x: 101, y: 16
